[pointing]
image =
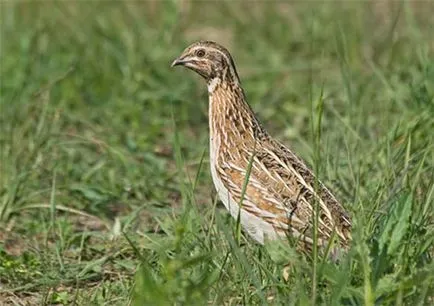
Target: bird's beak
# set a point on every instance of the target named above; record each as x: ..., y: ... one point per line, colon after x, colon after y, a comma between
x: 177, y: 62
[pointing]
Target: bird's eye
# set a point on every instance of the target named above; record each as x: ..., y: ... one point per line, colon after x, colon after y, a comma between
x: 200, y: 53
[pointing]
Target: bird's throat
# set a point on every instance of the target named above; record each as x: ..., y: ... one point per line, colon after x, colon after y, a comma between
x: 213, y: 84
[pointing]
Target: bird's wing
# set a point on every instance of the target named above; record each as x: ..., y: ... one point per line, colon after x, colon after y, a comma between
x: 310, y: 190
x: 280, y: 189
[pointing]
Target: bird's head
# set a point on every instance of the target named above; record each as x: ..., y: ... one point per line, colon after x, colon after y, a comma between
x: 210, y: 60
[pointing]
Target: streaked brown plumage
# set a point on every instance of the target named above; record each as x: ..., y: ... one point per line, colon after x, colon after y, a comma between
x: 281, y: 191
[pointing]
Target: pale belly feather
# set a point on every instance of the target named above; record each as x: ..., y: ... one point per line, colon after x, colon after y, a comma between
x: 256, y: 227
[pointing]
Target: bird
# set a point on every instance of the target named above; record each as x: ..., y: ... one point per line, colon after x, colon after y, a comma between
x: 262, y: 183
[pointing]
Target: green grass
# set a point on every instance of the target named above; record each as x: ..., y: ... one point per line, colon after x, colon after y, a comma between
x: 105, y: 194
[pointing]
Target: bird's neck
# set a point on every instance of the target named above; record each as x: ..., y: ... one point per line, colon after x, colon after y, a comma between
x: 230, y: 116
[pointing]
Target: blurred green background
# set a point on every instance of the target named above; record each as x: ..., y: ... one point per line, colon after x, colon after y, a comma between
x: 105, y: 194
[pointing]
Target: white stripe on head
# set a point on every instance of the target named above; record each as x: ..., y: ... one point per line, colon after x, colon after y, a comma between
x: 230, y: 65
x: 228, y: 60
